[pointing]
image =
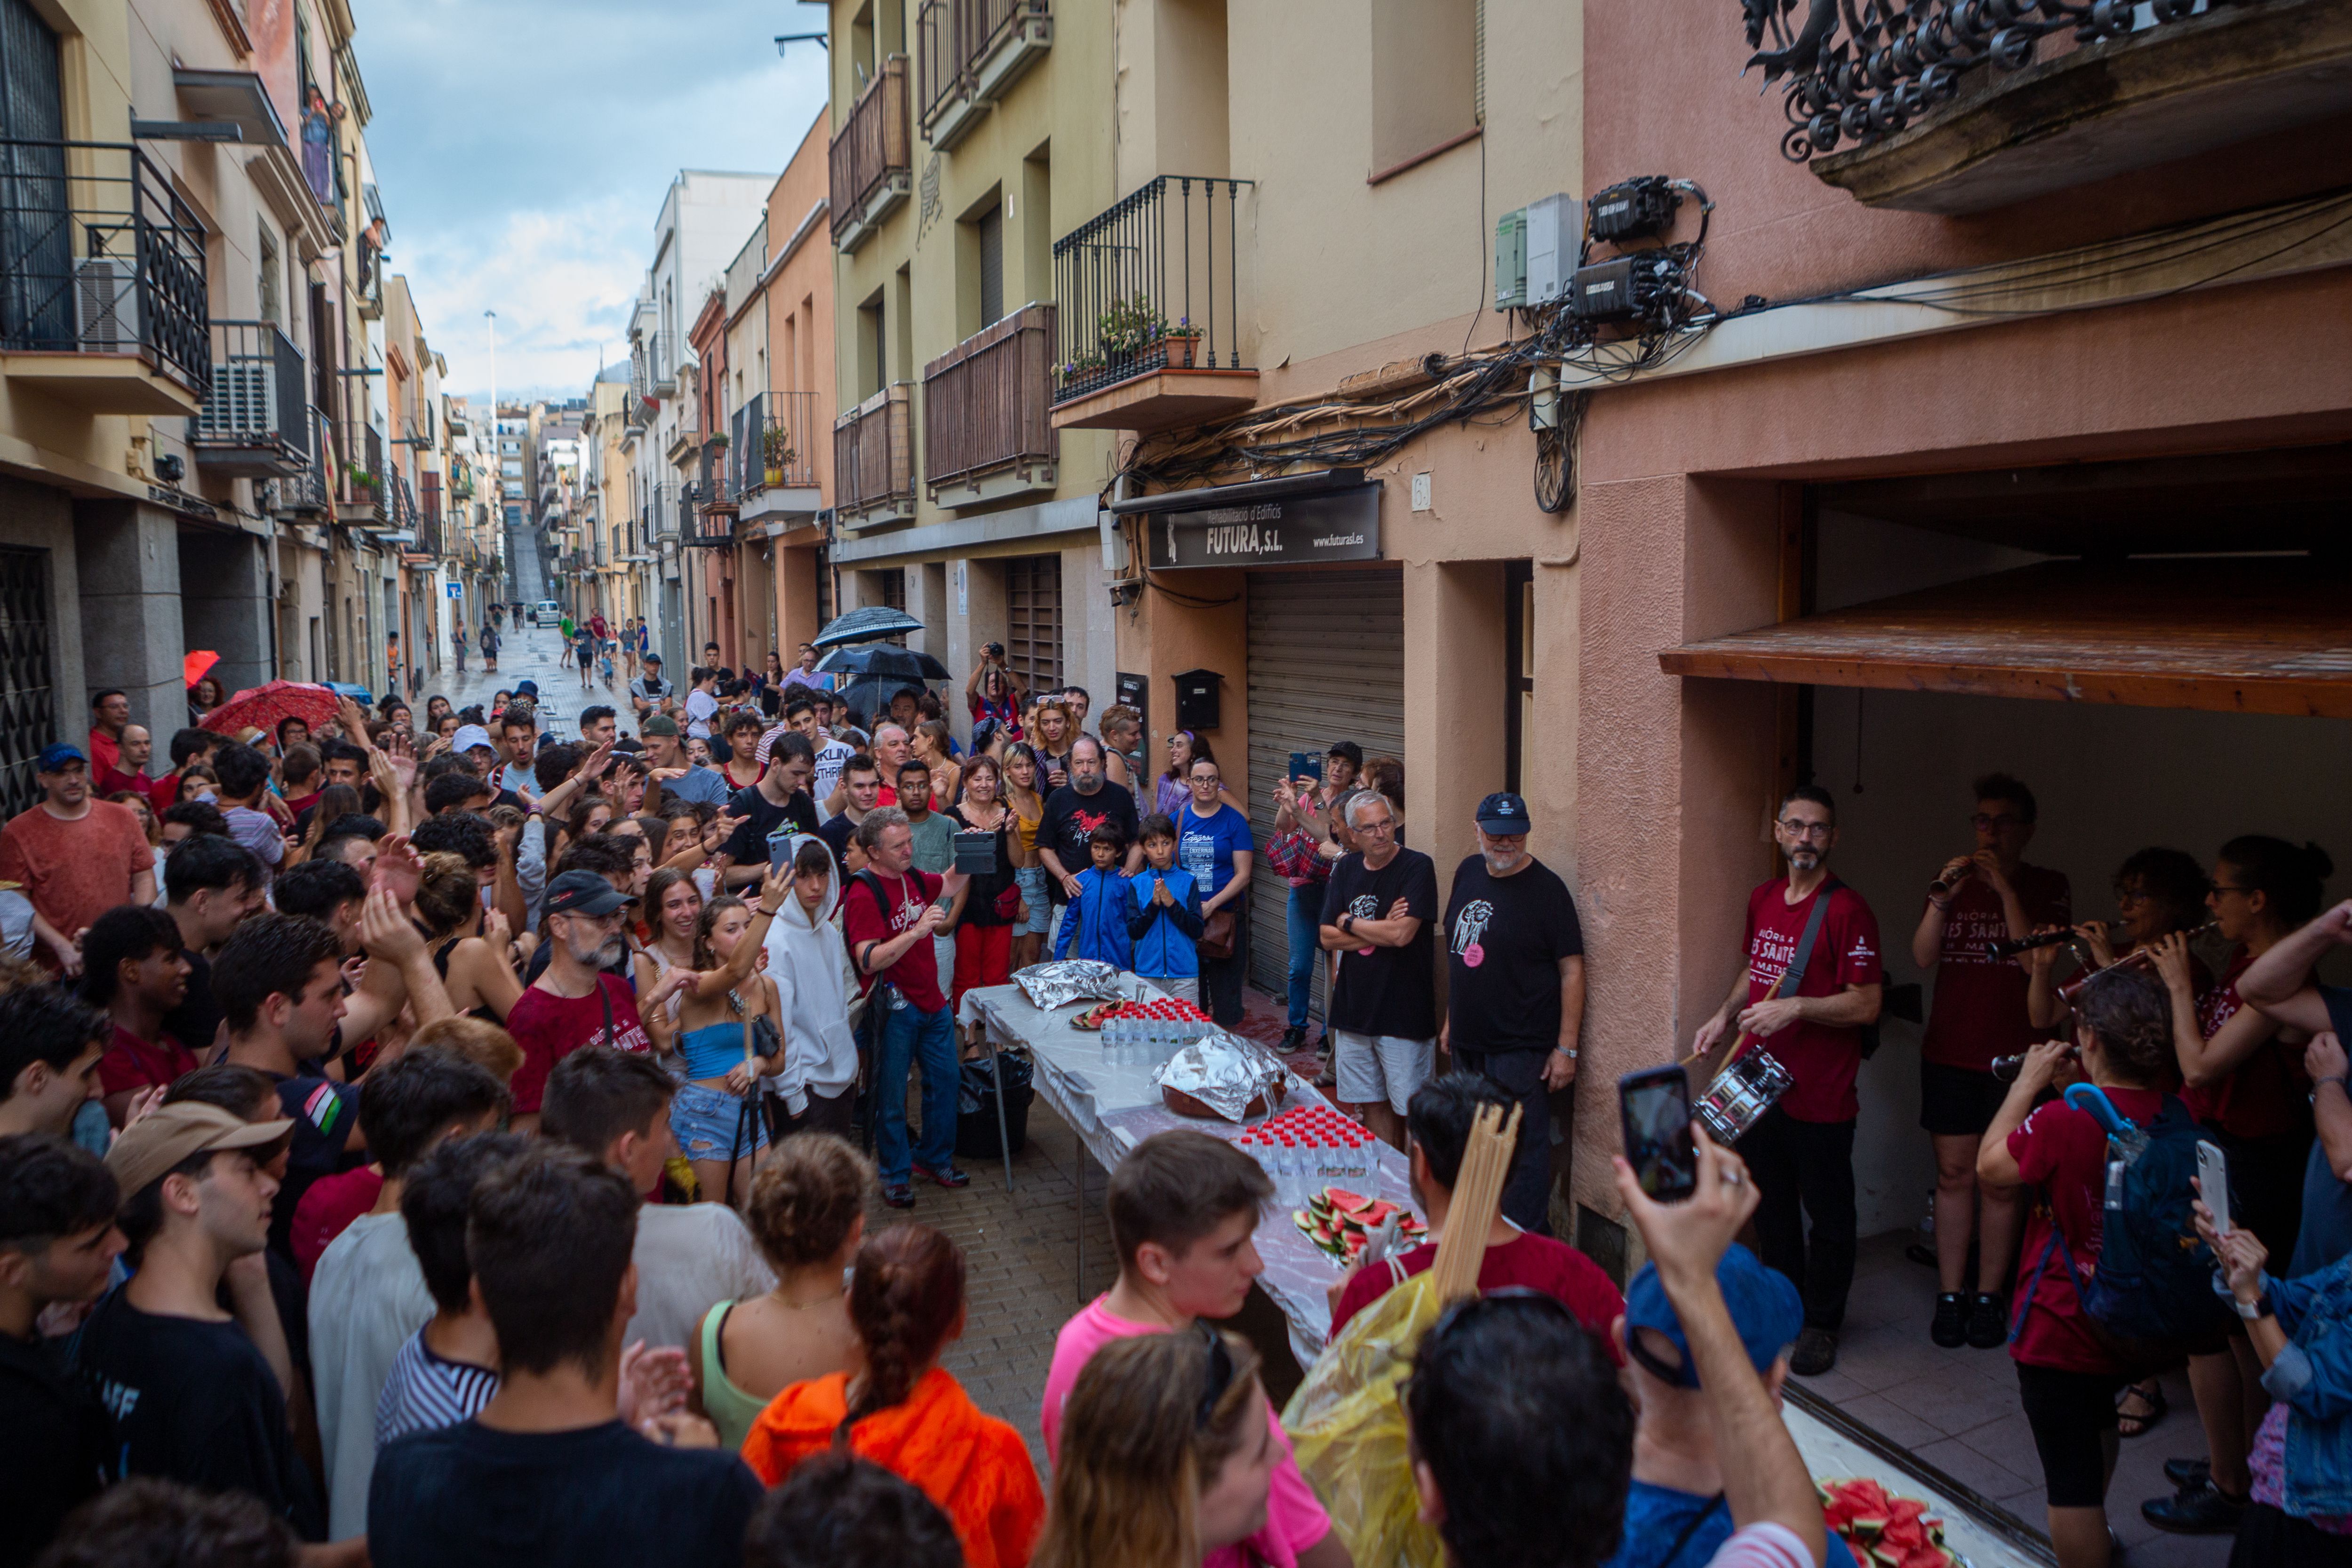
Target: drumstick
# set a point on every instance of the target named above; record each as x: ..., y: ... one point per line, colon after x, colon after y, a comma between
x: 1477, y: 1196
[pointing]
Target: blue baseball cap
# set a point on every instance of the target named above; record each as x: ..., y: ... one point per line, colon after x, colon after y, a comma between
x: 526, y: 688
x: 57, y: 754
x: 1765, y: 1309
x: 1503, y: 812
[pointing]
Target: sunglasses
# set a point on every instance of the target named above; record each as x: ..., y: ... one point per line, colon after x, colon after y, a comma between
x: 1216, y: 1374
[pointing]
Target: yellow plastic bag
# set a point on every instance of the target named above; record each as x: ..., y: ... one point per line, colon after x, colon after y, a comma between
x: 1347, y: 1429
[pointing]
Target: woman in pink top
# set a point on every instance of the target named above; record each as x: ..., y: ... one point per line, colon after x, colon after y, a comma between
x: 1183, y: 1206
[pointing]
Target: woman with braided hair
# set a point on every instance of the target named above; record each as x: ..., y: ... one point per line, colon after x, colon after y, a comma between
x: 906, y: 1303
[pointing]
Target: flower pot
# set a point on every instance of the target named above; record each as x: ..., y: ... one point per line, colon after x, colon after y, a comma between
x: 1180, y: 352
x: 774, y: 476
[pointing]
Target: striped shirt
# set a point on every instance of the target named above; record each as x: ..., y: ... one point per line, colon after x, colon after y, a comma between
x: 1763, y: 1544
x: 425, y: 1391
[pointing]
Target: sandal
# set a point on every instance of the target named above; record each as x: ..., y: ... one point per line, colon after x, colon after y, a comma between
x: 2133, y: 1423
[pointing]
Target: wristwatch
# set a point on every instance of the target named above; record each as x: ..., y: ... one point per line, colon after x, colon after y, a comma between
x: 1347, y: 925
x: 2340, y: 1079
x: 2260, y: 1307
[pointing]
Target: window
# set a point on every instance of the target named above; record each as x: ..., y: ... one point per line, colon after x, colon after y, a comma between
x: 871, y: 348
x: 1520, y: 653
x: 990, y: 234
x: 273, y: 309
x: 1033, y: 620
x: 1425, y: 80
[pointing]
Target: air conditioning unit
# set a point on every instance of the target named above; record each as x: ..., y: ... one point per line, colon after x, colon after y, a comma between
x: 243, y: 400
x: 106, y: 306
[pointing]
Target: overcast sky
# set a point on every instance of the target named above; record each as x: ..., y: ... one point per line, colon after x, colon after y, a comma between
x: 522, y: 149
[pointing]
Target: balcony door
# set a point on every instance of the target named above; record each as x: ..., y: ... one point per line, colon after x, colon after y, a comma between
x: 35, y: 230
x: 1033, y: 620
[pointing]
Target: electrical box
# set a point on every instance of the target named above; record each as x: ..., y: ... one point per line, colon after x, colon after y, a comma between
x: 1114, y: 543
x: 1555, y: 239
x: 1196, y: 699
x: 1625, y: 288
x: 1511, y: 261
x: 1634, y: 209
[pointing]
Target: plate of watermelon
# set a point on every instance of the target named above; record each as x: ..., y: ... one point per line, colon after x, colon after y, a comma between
x: 1339, y: 1222
x: 1884, y: 1531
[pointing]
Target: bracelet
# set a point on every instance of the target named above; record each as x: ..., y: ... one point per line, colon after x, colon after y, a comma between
x: 763, y: 909
x: 2260, y: 1307
x: 2341, y: 1080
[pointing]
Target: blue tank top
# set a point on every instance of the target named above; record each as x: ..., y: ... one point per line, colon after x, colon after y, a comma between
x: 711, y: 1050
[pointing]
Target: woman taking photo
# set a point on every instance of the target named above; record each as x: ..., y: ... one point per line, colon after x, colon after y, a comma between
x: 1055, y: 736
x: 1017, y: 780
x: 901, y: 1411
x: 721, y: 999
x: 996, y: 906
x: 931, y: 744
x: 470, y: 946
x: 1213, y: 843
x: 994, y: 690
x: 807, y: 1211
x: 1166, y: 1454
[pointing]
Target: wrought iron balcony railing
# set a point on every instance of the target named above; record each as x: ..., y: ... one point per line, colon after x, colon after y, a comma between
x: 100, y: 255
x: 968, y: 52
x: 257, y: 415
x: 1149, y: 284
x: 986, y: 402
x: 1865, y: 69
x: 772, y: 444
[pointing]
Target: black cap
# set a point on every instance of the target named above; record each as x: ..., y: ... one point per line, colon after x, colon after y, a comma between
x: 1349, y: 750
x: 583, y: 893
x: 1503, y: 814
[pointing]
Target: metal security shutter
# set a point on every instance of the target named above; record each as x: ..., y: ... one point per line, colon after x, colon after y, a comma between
x: 27, y: 698
x: 1325, y: 664
x: 1032, y: 621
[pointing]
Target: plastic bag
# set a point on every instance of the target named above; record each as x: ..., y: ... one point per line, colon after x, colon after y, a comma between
x: 1347, y: 1429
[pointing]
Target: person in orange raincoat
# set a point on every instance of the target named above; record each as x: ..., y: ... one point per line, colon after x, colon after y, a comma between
x: 906, y: 1301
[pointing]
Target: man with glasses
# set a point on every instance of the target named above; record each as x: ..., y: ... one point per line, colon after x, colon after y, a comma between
x: 1810, y: 1016
x: 1378, y: 913
x: 574, y: 1002
x: 1978, y: 1015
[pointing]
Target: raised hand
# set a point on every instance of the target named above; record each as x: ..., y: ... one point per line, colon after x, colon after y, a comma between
x: 386, y: 932
x: 398, y: 869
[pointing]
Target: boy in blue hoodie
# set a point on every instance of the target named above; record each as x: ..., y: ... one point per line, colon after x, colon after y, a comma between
x: 1164, y: 913
x: 1093, y: 924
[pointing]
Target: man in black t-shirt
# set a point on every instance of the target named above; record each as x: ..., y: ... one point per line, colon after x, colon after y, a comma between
x: 861, y: 788
x: 777, y: 807
x: 221, y: 882
x: 57, y: 1242
x: 1378, y: 912
x: 1515, y: 989
x: 1075, y: 811
x: 194, y: 1399
x: 547, y: 1472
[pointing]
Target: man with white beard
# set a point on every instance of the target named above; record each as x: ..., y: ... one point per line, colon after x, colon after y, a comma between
x: 1514, y: 994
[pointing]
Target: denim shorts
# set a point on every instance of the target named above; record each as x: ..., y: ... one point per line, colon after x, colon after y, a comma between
x: 704, y: 1122
x: 1032, y: 879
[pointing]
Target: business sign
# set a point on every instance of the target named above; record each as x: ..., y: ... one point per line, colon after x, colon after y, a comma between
x: 1285, y: 531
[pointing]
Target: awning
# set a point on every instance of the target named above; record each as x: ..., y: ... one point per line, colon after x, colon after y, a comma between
x: 2236, y: 635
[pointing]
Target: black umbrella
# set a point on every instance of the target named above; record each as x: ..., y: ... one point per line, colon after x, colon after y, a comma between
x: 864, y: 624
x: 871, y: 694
x: 904, y: 664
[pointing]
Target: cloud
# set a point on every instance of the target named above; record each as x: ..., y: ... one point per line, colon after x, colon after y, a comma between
x: 523, y: 150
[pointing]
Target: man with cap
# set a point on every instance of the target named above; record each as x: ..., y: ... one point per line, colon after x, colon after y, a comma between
x: 76, y: 858
x: 1675, y: 1515
x: 574, y: 1002
x: 674, y: 770
x: 649, y: 691
x: 194, y: 1400
x: 1515, y: 989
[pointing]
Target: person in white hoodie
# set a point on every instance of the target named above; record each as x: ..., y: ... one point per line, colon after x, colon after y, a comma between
x: 809, y: 963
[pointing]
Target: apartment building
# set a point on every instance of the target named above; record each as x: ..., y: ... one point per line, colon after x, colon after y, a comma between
x: 966, y: 137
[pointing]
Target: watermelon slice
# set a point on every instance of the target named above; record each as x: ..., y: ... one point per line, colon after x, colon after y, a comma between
x: 1346, y: 1202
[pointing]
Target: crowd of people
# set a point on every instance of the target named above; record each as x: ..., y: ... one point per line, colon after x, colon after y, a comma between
x: 400, y: 1118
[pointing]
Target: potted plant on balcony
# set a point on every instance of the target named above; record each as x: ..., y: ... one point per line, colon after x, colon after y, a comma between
x: 1130, y: 329
x: 1183, y: 344
x: 776, y: 455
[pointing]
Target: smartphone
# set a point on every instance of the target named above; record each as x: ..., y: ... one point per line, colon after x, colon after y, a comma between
x: 2214, y: 1184
x: 1653, y: 1106
x: 1305, y: 765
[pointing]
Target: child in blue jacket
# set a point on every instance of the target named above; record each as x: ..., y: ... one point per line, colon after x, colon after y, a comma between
x: 1164, y: 914
x: 1094, y: 924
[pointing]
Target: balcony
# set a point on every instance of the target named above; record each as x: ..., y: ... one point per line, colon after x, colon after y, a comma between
x: 874, y: 461
x: 369, y: 300
x: 774, y: 449
x: 988, y: 431
x: 1954, y: 106
x: 969, y: 53
x: 367, y: 501
x: 653, y: 366
x: 664, y: 511
x: 256, y: 422
x: 872, y: 169
x: 1150, y: 311
x: 102, y: 301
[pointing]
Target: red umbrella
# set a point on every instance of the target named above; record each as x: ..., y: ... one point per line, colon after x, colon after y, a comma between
x: 263, y: 706
x: 194, y: 666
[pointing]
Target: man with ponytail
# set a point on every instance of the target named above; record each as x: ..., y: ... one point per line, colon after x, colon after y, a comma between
x: 906, y: 1303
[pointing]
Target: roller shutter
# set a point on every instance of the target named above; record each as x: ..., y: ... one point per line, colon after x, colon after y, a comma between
x: 1325, y: 664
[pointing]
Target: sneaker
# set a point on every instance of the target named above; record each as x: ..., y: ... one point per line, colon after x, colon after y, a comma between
x: 2199, y: 1510
x: 1294, y: 1039
x: 1988, y: 1322
x: 1815, y: 1354
x: 899, y: 1195
x: 2187, y: 1472
x: 950, y: 1177
x: 1950, y: 1328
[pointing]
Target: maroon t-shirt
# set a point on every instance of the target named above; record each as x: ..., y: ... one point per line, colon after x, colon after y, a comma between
x: 917, y: 973
x: 131, y: 1063
x: 2268, y: 1096
x: 550, y: 1027
x: 1979, y: 1013
x: 2063, y: 1155
x: 1532, y: 1263
x: 1821, y: 1059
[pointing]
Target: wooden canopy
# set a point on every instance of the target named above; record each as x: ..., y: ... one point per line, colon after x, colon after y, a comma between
x: 2228, y: 634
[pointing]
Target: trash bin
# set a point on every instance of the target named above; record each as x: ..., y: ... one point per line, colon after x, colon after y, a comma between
x: 976, y: 1137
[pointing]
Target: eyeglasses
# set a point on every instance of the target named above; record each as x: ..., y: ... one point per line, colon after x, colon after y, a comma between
x: 1216, y: 1374
x: 1797, y: 830
x: 1986, y: 821
x: 1385, y: 825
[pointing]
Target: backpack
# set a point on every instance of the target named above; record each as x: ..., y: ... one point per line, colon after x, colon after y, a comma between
x: 2148, y: 1294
